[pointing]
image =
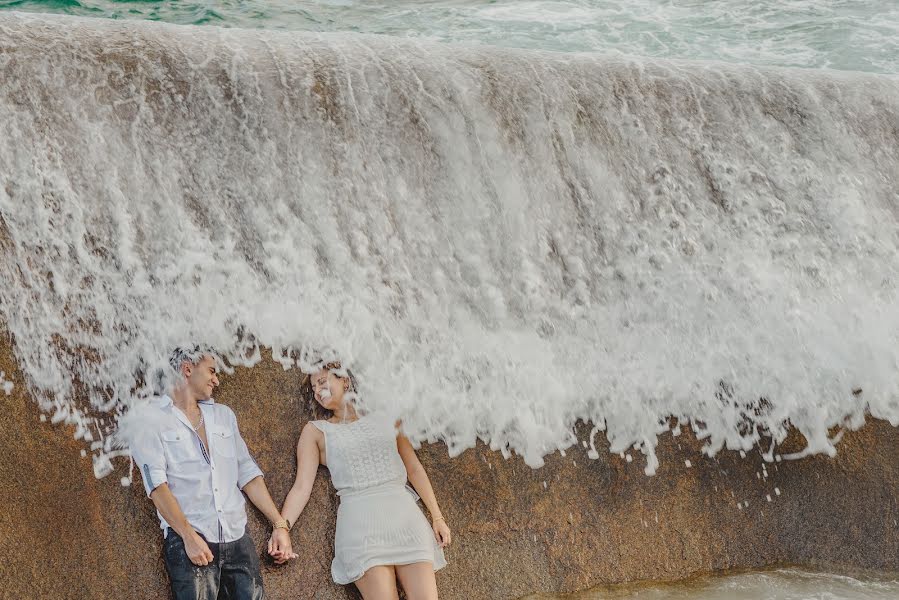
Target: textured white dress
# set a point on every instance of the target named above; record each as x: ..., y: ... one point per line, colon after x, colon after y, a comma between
x: 378, y: 521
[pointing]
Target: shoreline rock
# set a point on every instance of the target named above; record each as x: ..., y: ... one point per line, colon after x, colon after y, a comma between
x: 573, y: 524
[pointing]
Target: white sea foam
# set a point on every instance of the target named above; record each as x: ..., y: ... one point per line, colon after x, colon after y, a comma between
x: 5, y: 386
x: 498, y: 242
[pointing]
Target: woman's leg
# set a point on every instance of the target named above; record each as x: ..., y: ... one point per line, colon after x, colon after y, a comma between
x: 418, y: 580
x: 378, y: 583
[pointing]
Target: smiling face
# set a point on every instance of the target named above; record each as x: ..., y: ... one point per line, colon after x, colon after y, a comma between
x: 201, y: 378
x: 329, y: 389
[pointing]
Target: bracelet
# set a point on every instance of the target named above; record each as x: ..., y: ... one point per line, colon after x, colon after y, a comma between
x: 435, y: 519
x: 282, y: 524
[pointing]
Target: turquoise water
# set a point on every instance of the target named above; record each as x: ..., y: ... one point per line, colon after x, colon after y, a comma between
x: 843, y: 34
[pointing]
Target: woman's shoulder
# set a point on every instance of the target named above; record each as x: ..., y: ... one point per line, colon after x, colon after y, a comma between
x: 313, y: 434
x: 314, y: 428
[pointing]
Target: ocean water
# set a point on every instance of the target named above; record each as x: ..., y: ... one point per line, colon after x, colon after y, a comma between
x: 786, y: 584
x: 500, y: 242
x: 686, y: 209
x: 828, y: 34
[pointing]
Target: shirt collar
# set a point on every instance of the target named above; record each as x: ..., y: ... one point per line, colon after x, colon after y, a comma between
x: 165, y: 401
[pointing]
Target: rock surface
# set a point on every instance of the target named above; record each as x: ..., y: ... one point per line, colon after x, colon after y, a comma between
x: 572, y: 524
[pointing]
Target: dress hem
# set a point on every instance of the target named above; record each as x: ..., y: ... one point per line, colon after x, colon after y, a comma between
x: 376, y: 563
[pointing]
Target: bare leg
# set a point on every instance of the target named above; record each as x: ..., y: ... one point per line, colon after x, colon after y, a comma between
x: 418, y: 580
x: 378, y: 583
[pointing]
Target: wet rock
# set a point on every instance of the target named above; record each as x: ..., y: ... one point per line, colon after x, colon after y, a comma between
x: 572, y: 524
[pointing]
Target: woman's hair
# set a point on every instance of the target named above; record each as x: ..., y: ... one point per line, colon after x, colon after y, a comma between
x: 308, y: 394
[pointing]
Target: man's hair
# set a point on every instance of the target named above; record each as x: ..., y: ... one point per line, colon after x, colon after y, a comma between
x: 192, y: 354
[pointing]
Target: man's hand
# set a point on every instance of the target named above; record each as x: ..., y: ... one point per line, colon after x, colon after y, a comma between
x: 194, y: 546
x: 279, y: 546
x: 197, y: 550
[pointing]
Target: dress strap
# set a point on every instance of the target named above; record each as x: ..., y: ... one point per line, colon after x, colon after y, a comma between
x: 320, y: 425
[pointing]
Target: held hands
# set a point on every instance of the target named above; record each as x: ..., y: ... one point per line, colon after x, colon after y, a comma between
x: 197, y: 550
x: 279, y: 546
x: 442, y: 532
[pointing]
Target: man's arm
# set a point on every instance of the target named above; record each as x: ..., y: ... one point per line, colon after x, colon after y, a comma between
x: 252, y: 482
x: 279, y: 544
x: 257, y: 492
x: 147, y: 451
x: 196, y: 547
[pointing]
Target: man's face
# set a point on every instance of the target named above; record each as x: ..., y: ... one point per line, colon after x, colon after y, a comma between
x: 202, y: 378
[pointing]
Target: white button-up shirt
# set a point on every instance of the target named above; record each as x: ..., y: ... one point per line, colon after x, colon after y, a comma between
x: 207, y: 485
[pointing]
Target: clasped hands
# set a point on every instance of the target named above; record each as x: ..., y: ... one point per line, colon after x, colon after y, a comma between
x: 279, y: 546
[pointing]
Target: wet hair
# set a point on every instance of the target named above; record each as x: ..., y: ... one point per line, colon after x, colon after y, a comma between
x: 192, y: 354
x: 308, y: 394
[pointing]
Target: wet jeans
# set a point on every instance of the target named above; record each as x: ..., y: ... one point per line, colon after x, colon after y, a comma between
x: 233, y: 573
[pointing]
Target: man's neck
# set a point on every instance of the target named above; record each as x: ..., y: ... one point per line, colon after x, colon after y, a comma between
x: 184, y: 400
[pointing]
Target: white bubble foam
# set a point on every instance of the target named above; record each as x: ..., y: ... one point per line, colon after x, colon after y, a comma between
x: 499, y: 243
x: 6, y: 386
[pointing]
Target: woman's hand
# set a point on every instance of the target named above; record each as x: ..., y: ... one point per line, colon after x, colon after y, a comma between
x: 442, y: 532
x: 279, y: 546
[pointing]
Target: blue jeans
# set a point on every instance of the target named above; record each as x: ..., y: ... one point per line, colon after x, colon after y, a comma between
x: 233, y: 573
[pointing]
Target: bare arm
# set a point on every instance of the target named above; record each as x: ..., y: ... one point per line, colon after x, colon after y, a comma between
x: 418, y: 477
x: 197, y: 550
x: 257, y: 492
x: 307, y: 466
x: 170, y: 510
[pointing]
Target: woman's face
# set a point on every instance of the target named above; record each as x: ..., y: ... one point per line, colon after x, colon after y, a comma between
x: 328, y: 389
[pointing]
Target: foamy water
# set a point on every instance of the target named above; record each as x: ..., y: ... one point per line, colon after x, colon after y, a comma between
x: 499, y: 242
x: 785, y: 584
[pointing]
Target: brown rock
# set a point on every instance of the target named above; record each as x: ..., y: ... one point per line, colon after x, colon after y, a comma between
x: 64, y: 534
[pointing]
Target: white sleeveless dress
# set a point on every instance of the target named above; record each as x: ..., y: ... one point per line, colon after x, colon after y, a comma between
x: 378, y: 521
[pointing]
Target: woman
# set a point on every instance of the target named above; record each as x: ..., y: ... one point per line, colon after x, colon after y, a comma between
x: 381, y: 534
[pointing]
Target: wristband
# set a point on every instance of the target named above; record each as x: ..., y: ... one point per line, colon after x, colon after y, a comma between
x: 282, y: 524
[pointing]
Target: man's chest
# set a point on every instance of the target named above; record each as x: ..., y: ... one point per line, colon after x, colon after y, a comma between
x: 213, y: 447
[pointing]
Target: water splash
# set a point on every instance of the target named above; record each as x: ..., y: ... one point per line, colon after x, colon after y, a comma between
x: 498, y: 242
x: 5, y: 386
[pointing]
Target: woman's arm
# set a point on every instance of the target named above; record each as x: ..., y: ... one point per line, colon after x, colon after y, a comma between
x: 298, y: 496
x: 422, y: 484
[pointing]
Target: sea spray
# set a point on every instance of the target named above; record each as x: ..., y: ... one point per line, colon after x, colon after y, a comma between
x: 499, y: 243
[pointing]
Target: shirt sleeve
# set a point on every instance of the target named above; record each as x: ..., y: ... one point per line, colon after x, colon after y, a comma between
x: 149, y: 456
x: 247, y: 469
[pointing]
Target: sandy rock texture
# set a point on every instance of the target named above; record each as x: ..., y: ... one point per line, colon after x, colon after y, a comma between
x: 572, y: 524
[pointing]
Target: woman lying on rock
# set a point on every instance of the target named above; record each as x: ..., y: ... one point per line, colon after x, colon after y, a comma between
x: 381, y: 534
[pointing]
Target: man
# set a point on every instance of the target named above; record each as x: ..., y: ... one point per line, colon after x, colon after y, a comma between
x: 194, y: 465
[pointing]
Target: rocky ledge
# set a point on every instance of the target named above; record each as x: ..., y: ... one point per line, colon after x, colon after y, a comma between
x: 572, y: 524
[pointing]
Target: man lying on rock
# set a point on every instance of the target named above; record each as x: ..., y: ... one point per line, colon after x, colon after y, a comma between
x: 194, y: 465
